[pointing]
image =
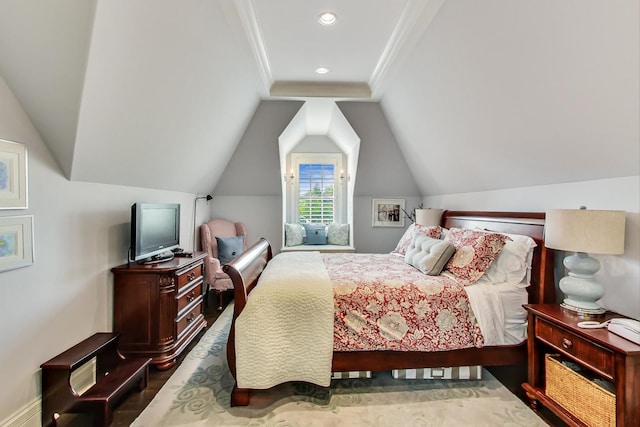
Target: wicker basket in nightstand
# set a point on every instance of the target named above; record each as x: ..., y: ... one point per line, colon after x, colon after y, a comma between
x: 591, y: 403
x: 611, y: 361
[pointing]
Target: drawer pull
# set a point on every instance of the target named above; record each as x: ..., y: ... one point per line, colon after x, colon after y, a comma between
x: 191, y: 276
x: 191, y: 297
x: 191, y: 317
x: 566, y: 343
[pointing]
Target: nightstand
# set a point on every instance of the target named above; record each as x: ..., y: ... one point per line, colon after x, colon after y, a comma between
x: 553, y: 330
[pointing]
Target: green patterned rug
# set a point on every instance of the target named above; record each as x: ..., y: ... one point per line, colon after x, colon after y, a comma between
x: 197, y: 394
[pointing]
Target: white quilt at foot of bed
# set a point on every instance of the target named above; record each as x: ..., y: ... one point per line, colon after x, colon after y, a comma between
x: 285, y: 332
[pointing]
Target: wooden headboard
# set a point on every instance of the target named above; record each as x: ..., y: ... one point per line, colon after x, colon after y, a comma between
x: 542, y: 289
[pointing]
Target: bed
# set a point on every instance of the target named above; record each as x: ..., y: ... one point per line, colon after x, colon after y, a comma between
x: 246, y: 271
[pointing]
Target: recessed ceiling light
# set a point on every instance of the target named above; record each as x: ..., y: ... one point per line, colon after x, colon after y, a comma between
x: 322, y: 70
x: 327, y: 18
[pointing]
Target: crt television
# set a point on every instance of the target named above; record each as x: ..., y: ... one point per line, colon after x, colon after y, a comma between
x: 155, y: 230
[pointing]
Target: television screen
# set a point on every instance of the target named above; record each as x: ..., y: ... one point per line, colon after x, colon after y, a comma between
x: 155, y: 230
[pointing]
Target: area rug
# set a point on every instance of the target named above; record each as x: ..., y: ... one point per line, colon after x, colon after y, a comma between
x: 197, y: 394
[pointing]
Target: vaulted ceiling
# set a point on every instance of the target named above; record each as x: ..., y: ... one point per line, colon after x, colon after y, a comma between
x: 479, y: 95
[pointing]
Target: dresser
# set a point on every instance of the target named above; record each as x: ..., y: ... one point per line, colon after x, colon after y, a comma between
x: 157, y: 308
x: 604, y: 355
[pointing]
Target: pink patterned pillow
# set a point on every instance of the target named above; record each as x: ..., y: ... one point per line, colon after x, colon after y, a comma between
x: 475, y: 251
x: 405, y: 240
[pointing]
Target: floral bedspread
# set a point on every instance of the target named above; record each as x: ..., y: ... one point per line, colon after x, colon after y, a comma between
x: 383, y: 303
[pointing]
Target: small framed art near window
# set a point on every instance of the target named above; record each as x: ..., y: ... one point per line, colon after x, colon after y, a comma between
x: 387, y: 213
x: 16, y: 242
x: 13, y: 175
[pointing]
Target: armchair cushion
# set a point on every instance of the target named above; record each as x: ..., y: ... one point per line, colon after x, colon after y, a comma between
x: 229, y: 248
x: 219, y: 227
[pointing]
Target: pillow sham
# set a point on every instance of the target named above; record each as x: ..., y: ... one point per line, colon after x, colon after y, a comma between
x: 338, y: 234
x: 405, y: 240
x: 475, y: 251
x: 513, y: 264
x: 444, y: 232
x: 316, y: 234
x: 428, y: 255
x: 293, y: 234
x: 229, y: 248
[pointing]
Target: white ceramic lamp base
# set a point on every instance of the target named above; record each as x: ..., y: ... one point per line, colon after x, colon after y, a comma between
x: 581, y: 290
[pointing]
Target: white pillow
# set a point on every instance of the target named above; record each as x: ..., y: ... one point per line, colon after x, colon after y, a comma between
x: 428, y: 255
x: 513, y: 264
x: 338, y: 234
x: 293, y: 234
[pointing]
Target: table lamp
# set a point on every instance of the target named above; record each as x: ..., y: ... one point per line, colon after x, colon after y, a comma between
x: 428, y: 217
x: 584, y: 231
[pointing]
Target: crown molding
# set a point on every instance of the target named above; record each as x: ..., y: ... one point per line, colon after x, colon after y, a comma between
x: 248, y: 17
x: 403, y: 39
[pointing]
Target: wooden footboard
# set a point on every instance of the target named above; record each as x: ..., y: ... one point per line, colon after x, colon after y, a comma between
x: 244, y: 272
x: 246, y: 269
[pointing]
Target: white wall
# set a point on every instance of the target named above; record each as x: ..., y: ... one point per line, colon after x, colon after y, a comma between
x: 81, y: 231
x: 620, y: 275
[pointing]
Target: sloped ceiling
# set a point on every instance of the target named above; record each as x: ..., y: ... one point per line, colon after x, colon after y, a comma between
x: 479, y: 95
x: 505, y: 94
x: 43, y: 56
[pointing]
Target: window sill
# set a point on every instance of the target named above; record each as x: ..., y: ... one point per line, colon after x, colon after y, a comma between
x: 319, y: 248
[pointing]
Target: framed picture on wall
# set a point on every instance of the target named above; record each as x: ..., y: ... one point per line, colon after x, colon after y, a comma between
x: 387, y: 213
x: 13, y: 175
x: 16, y: 242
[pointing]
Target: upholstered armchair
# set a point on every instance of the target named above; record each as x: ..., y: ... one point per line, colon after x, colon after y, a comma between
x: 215, y: 277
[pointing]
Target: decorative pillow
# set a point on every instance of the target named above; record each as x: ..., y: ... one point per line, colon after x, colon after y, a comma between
x: 405, y: 240
x: 514, y: 262
x: 475, y: 251
x: 338, y: 234
x: 428, y: 255
x: 293, y: 234
x: 316, y: 234
x: 229, y: 248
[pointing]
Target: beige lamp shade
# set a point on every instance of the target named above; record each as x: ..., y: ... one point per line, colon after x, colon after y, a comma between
x: 584, y: 230
x: 428, y: 217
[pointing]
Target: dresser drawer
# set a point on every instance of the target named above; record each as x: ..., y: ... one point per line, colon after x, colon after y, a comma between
x: 188, y: 295
x: 189, y: 276
x: 189, y: 318
x: 588, y: 353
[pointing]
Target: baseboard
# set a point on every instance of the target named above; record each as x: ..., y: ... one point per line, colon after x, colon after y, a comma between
x: 28, y: 416
x: 31, y: 414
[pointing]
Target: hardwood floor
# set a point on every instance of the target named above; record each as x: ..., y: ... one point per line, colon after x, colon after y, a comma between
x: 128, y: 410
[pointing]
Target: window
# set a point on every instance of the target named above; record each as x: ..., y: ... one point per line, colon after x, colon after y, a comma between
x: 316, y: 192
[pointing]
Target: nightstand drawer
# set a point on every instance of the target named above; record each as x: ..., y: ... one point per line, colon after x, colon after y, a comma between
x: 593, y: 356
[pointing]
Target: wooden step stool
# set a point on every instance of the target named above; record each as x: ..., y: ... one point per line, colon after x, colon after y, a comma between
x: 115, y: 377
